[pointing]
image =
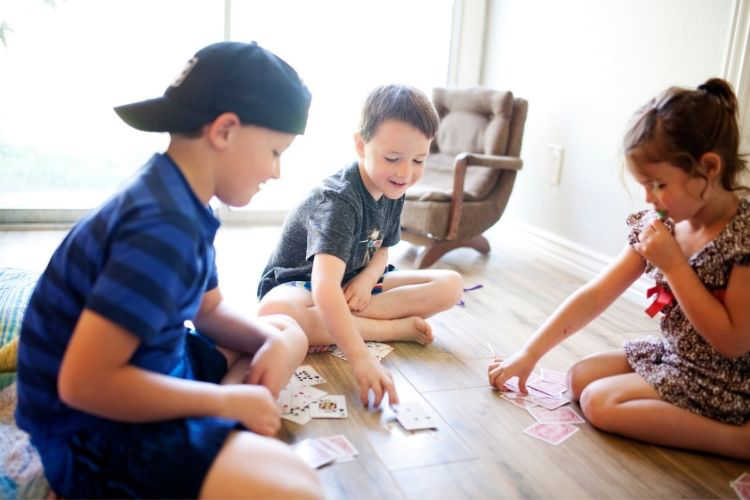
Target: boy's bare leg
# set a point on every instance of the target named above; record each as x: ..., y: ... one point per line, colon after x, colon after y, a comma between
x: 297, y: 303
x: 627, y: 405
x: 253, y: 466
x: 238, y: 364
x: 420, y: 293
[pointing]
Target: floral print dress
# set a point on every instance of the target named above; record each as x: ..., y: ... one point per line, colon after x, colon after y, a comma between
x: 681, y: 366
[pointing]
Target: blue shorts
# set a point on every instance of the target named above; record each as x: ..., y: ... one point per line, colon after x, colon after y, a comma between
x: 167, y: 459
x: 378, y: 288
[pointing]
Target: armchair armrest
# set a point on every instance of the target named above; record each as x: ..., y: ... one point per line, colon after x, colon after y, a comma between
x: 461, y: 163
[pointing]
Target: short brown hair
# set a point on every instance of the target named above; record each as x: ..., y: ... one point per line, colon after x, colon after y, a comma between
x: 680, y: 125
x: 398, y: 102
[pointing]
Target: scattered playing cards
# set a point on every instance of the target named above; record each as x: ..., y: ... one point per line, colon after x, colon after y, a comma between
x: 300, y: 402
x: 378, y: 349
x: 546, y: 403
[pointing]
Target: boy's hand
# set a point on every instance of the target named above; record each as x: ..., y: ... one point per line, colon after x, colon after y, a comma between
x: 273, y: 364
x: 358, y: 292
x: 370, y: 374
x: 657, y: 245
x: 253, y: 406
x: 519, y: 364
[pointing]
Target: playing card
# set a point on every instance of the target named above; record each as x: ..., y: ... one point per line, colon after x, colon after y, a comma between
x: 304, y: 395
x: 565, y: 415
x: 344, y: 448
x: 331, y: 406
x: 379, y: 350
x: 314, y: 454
x: 554, y: 376
x: 518, y: 399
x: 551, y: 433
x: 412, y: 416
x: 547, y: 387
x: 549, y: 402
x: 307, y: 376
x: 744, y: 478
x: 298, y: 414
x: 742, y: 490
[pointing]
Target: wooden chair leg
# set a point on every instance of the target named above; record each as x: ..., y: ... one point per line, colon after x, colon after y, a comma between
x: 433, y: 252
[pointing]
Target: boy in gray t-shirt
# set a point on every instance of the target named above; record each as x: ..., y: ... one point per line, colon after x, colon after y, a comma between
x: 330, y: 270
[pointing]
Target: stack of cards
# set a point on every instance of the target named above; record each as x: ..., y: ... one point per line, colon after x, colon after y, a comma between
x: 741, y: 486
x: 319, y: 452
x: 412, y: 416
x: 377, y: 349
x: 300, y: 401
x: 545, y: 390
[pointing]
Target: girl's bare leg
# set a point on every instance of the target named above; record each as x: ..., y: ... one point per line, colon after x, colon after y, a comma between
x: 626, y: 404
x: 595, y: 367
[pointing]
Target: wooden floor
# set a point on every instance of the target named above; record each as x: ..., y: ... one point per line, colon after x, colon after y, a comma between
x: 479, y: 450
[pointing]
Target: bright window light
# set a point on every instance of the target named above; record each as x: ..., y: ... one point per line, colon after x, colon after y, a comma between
x: 64, y: 64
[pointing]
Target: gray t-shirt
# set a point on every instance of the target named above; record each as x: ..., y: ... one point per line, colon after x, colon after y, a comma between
x: 339, y: 217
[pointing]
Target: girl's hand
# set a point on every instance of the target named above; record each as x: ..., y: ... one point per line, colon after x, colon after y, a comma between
x: 253, y: 406
x: 370, y: 374
x: 358, y: 292
x: 658, y: 246
x: 519, y: 364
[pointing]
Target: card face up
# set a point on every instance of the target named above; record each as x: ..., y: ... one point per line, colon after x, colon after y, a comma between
x: 332, y: 406
x: 412, y: 416
x: 307, y: 375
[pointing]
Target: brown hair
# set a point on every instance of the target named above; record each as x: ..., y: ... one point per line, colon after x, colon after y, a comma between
x: 398, y: 102
x: 680, y: 125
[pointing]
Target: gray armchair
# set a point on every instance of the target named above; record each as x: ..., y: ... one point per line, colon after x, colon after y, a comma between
x: 469, y: 173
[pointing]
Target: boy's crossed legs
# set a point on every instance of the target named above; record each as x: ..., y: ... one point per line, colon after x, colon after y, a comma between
x: 397, y: 313
x: 616, y: 399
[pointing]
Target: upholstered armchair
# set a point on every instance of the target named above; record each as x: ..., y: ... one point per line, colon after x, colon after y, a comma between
x: 469, y: 173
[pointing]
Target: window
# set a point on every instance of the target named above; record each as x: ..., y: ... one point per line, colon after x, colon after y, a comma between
x: 66, y: 63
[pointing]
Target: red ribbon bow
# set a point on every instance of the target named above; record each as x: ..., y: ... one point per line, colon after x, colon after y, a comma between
x: 663, y: 299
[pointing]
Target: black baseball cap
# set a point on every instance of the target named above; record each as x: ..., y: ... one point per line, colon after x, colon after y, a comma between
x: 242, y: 78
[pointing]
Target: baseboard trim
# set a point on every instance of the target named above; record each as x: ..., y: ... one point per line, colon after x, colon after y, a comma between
x: 579, y: 259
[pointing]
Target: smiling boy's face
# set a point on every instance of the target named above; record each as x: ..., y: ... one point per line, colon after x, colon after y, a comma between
x: 393, y: 160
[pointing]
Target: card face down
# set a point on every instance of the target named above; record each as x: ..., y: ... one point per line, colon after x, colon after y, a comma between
x: 314, y: 454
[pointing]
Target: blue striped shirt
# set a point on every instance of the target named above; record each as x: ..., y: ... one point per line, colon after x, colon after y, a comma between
x: 143, y: 260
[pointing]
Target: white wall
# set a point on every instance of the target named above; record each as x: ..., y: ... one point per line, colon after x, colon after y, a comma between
x: 585, y: 66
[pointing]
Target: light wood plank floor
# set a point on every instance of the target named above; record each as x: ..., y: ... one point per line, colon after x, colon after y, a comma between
x: 479, y: 450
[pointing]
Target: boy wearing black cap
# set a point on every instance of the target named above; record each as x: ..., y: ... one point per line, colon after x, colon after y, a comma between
x: 120, y: 399
x: 334, y: 245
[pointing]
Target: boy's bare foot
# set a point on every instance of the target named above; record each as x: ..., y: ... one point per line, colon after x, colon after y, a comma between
x: 412, y: 329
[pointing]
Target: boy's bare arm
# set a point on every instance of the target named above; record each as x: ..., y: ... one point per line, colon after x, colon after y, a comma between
x: 327, y: 273
x: 96, y: 377
x: 358, y: 292
x: 230, y: 328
